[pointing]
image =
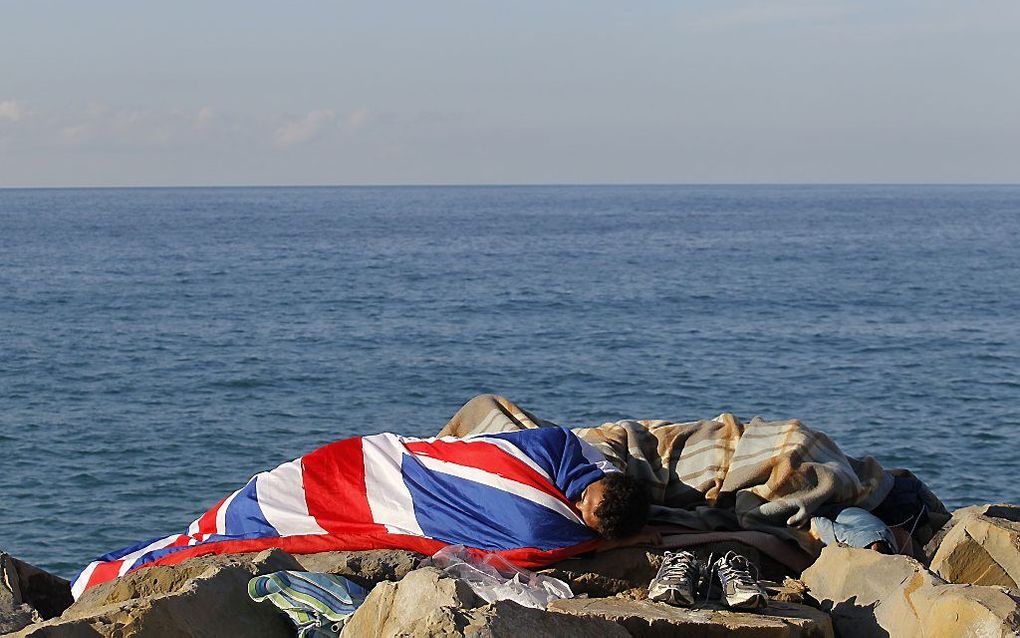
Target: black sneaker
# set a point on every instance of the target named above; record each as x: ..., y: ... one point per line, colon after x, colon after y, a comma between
x: 677, y: 579
x: 738, y: 578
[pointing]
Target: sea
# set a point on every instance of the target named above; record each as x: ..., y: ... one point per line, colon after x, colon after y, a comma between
x: 160, y: 346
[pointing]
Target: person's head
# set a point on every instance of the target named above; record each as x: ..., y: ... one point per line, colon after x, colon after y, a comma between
x: 615, y: 506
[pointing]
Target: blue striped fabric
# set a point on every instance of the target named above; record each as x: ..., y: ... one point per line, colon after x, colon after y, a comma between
x: 317, y: 604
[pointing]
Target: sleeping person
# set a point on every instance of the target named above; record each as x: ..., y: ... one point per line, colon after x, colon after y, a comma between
x: 534, y: 496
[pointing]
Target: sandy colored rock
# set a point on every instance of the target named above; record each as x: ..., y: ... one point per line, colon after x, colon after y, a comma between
x: 400, y: 608
x: 1001, y: 510
x: 364, y: 567
x: 507, y: 619
x: 608, y: 573
x: 647, y: 619
x: 981, y: 548
x: 201, y: 597
x: 790, y: 590
x: 166, y: 579
x: 871, y: 594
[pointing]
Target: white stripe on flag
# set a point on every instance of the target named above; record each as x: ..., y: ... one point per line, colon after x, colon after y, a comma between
x: 129, y: 560
x: 79, y: 585
x: 221, y: 513
x: 388, y: 496
x: 507, y: 447
x: 281, y: 494
x: 501, y: 483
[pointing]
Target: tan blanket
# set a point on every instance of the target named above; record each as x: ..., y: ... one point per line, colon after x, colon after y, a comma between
x: 719, y: 474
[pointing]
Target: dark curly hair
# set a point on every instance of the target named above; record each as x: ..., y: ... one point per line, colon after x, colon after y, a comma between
x: 624, y: 507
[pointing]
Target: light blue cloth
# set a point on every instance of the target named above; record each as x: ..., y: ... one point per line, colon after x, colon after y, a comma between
x: 855, y: 527
x: 318, y: 604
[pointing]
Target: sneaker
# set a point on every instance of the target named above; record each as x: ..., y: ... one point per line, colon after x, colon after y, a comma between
x: 740, y: 589
x: 677, y: 579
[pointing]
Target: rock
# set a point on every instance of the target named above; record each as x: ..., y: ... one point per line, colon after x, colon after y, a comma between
x: 206, y: 596
x: 507, y: 619
x: 14, y: 612
x: 398, y: 608
x: 364, y: 567
x: 790, y: 590
x: 29, y: 594
x: 647, y: 619
x: 608, y: 573
x: 630, y: 569
x: 872, y: 594
x: 982, y: 547
x: 426, y: 603
x: 1006, y: 511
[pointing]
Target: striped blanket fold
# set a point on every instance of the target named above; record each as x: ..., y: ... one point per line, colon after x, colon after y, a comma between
x: 317, y: 604
x: 718, y: 474
x: 509, y: 493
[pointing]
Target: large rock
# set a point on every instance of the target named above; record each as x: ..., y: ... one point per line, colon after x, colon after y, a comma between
x: 201, y: 597
x: 647, y: 619
x: 14, y: 612
x: 608, y: 573
x: 872, y: 594
x: 29, y: 594
x: 507, y: 619
x: 364, y: 567
x: 982, y: 547
x: 397, y: 608
x: 426, y: 603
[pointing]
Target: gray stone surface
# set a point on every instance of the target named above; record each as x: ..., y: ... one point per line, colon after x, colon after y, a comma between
x: 29, y: 594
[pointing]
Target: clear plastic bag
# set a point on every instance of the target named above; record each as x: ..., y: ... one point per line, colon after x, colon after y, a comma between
x: 493, y: 578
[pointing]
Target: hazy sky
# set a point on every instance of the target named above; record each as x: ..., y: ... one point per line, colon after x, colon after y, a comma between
x: 332, y: 92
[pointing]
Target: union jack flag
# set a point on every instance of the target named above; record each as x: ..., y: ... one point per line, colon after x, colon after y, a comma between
x: 510, y: 493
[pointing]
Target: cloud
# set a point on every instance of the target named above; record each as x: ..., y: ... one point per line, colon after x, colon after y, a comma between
x: 357, y: 119
x: 122, y: 127
x: 304, y: 129
x: 204, y: 118
x: 11, y: 111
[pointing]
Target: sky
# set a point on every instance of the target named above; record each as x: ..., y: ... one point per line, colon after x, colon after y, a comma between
x: 315, y: 92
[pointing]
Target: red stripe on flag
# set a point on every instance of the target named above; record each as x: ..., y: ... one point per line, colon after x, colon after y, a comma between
x: 180, y: 541
x: 527, y: 557
x: 104, y: 572
x: 334, y: 483
x: 486, y: 456
x: 207, y: 524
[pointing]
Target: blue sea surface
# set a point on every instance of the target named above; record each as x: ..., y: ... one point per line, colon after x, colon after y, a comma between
x: 159, y: 346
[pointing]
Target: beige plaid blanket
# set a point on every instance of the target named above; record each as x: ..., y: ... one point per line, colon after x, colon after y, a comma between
x: 720, y: 474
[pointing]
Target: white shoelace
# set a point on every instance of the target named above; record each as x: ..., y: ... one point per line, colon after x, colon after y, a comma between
x: 676, y: 566
x: 737, y: 568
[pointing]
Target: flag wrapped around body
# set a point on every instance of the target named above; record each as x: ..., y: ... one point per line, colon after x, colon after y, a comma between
x: 510, y: 493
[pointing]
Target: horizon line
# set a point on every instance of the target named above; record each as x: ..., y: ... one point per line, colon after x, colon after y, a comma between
x: 497, y: 185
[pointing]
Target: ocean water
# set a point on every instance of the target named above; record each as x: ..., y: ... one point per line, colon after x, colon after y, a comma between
x: 161, y: 345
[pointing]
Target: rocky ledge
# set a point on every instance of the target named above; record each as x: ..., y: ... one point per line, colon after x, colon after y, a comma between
x: 970, y: 589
